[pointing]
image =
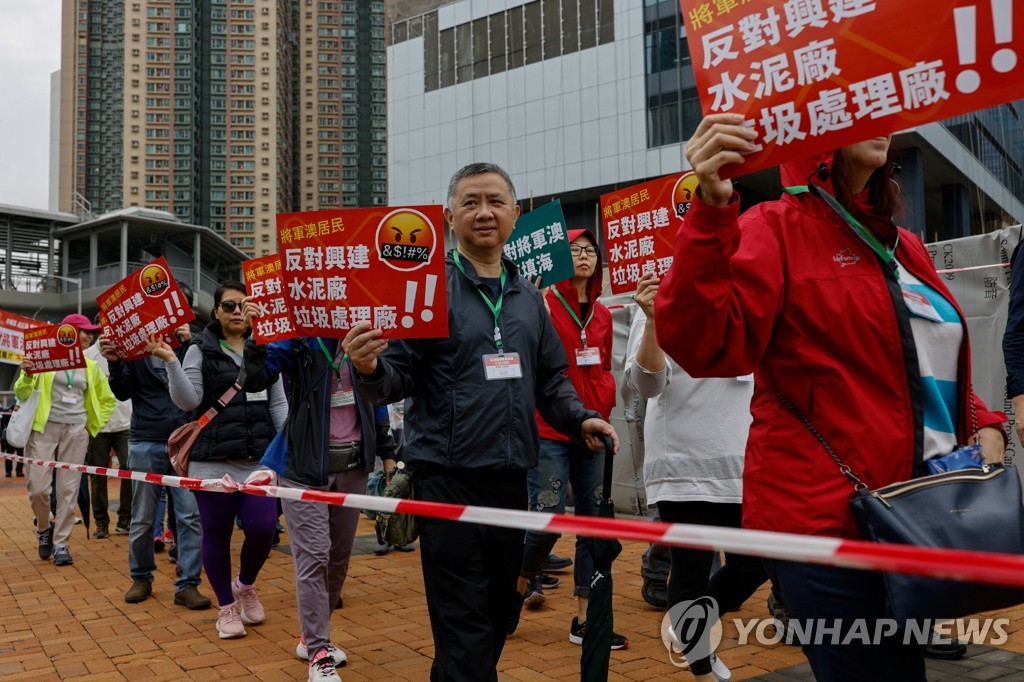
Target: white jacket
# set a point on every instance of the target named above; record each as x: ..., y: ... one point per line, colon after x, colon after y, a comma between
x: 695, y: 432
x: 121, y: 419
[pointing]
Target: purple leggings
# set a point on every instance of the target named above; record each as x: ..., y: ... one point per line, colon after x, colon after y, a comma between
x: 217, y: 513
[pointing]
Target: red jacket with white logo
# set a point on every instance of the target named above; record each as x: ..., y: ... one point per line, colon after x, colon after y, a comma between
x: 594, y: 383
x: 788, y: 291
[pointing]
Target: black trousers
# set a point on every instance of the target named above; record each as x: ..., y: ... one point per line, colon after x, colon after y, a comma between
x: 99, y: 456
x: 469, y: 570
x: 731, y: 585
x: 845, y: 598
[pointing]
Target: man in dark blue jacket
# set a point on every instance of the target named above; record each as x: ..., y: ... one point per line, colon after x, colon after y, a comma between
x: 330, y: 443
x: 470, y: 428
x: 154, y: 418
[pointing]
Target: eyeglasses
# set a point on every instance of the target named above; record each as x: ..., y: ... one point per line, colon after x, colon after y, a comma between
x: 577, y: 250
x: 229, y: 306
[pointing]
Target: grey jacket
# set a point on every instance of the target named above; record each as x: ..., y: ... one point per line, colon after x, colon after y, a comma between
x: 454, y: 416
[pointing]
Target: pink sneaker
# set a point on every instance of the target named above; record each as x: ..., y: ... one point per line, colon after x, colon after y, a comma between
x: 229, y: 624
x: 249, y: 603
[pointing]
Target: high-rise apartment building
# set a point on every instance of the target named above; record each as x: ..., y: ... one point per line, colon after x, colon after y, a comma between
x: 223, y: 112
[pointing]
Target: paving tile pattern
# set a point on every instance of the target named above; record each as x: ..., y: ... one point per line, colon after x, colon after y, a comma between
x: 72, y: 623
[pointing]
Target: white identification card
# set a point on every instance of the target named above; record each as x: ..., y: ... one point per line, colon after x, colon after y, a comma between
x: 746, y: 377
x: 499, y: 366
x: 588, y: 356
x: 256, y: 397
x: 68, y: 397
x: 343, y: 398
x: 919, y: 305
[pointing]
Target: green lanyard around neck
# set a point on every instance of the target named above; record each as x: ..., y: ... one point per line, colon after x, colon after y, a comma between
x: 495, y: 307
x: 70, y: 376
x: 227, y: 347
x: 582, y: 325
x: 330, y: 358
x: 888, y: 256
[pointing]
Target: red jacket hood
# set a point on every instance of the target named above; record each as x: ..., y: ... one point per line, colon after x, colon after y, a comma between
x: 596, y: 281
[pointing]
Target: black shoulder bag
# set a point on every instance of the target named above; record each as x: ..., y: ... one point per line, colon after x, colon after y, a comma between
x: 971, y: 509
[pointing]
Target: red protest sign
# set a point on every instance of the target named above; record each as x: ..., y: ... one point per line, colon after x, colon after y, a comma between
x: 814, y: 75
x: 263, y: 278
x: 12, y: 336
x: 640, y: 225
x: 53, y: 347
x: 144, y: 303
x: 384, y: 265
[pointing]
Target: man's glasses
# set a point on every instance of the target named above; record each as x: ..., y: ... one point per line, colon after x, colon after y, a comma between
x: 577, y: 250
x: 229, y: 306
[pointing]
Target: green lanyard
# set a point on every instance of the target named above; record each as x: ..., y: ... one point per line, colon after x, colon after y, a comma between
x: 70, y: 376
x: 887, y: 255
x: 330, y: 359
x: 495, y: 307
x: 228, y: 347
x: 582, y: 325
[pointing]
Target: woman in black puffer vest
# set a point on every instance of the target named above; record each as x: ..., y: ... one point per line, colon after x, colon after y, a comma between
x: 230, y: 445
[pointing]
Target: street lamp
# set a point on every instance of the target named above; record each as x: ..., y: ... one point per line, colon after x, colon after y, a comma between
x: 77, y: 281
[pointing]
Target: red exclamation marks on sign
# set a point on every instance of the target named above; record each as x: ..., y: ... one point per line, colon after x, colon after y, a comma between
x: 965, y: 20
x: 173, y: 309
x: 430, y: 288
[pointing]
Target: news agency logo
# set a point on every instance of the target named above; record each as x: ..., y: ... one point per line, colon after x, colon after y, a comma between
x: 691, y: 630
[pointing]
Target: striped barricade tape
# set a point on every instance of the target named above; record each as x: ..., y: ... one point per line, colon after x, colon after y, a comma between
x: 949, y: 564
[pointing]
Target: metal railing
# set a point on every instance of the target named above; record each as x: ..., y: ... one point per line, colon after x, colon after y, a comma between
x: 107, y: 275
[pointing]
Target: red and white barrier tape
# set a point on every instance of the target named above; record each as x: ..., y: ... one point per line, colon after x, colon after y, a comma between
x: 948, y: 271
x: 983, y: 567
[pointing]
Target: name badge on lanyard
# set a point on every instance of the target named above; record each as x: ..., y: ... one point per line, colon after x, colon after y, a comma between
x: 585, y: 356
x: 588, y: 356
x: 343, y: 398
x: 69, y: 397
x: 501, y: 366
x: 919, y: 305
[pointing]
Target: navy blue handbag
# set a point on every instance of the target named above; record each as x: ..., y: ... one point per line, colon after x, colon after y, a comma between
x: 972, y: 509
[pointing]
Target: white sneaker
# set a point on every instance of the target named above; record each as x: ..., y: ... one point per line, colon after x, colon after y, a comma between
x: 339, y: 656
x: 321, y: 669
x: 720, y: 670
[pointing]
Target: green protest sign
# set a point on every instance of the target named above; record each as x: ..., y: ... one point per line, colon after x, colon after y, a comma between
x: 539, y: 245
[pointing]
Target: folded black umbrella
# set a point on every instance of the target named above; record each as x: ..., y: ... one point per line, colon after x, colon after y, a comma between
x: 597, y: 639
x: 83, y: 501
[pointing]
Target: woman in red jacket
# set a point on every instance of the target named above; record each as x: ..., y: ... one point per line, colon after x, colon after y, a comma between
x: 585, y: 328
x: 841, y: 312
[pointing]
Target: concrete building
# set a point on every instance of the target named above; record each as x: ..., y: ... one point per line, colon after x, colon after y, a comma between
x: 578, y: 97
x: 222, y: 112
x: 53, y: 263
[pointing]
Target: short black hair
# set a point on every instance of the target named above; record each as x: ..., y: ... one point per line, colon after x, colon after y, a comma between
x: 227, y: 285
x: 478, y: 168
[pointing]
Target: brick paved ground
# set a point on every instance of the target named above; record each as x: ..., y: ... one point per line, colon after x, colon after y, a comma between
x: 73, y: 623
